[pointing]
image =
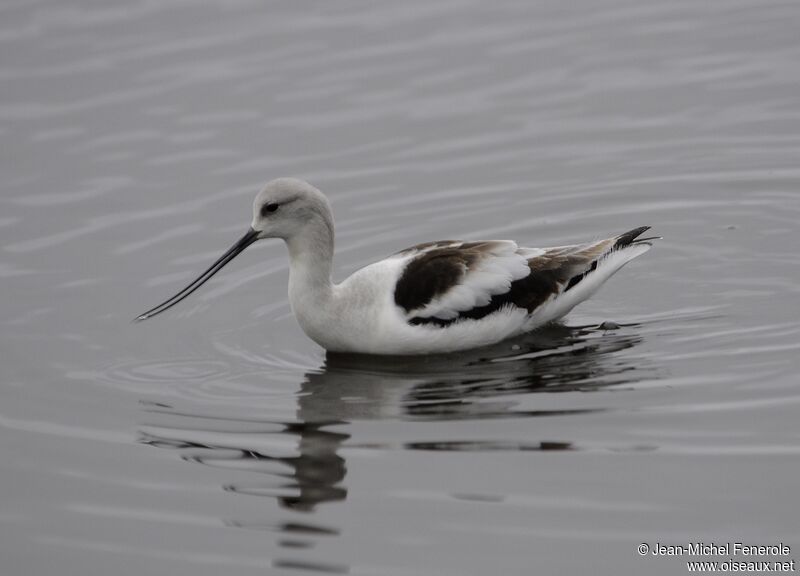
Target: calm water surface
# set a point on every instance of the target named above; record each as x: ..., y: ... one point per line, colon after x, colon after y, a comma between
x: 218, y: 439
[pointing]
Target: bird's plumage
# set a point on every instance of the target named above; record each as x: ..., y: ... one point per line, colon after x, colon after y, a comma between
x: 447, y: 282
x: 431, y: 298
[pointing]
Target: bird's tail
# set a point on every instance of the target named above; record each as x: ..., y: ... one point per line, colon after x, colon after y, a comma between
x: 631, y: 237
x: 590, y: 265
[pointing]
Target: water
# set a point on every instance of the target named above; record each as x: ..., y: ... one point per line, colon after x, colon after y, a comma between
x: 217, y: 438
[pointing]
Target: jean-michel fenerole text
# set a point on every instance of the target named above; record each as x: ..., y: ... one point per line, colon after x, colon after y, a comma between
x: 723, y: 549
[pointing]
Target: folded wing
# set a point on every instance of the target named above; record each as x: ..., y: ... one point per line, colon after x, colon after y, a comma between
x: 450, y: 281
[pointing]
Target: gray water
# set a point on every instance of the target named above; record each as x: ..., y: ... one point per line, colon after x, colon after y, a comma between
x: 218, y: 439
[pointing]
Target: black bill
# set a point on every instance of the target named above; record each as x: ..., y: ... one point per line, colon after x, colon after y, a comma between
x: 232, y: 252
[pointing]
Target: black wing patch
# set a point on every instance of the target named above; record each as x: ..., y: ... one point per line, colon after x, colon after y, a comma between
x: 628, y: 237
x: 435, y: 271
x: 528, y: 293
x: 578, y: 277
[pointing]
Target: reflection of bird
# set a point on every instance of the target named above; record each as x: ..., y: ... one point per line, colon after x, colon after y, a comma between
x: 462, y: 386
x: 300, y: 464
x: 431, y: 298
x: 316, y: 468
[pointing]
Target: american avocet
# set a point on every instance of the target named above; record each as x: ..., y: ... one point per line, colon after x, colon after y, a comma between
x: 431, y: 298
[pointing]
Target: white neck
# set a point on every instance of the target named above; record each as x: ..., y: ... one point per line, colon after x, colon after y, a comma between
x: 310, y: 265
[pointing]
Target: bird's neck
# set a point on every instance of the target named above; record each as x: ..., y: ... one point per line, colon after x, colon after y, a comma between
x: 310, y: 265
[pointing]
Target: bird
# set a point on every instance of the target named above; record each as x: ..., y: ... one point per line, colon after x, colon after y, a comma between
x: 432, y: 298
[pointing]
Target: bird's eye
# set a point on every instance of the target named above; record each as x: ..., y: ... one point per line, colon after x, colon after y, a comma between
x: 268, y: 208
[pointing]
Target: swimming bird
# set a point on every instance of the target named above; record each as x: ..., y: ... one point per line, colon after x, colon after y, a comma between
x: 435, y: 297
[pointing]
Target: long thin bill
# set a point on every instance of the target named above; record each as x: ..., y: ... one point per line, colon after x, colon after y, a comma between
x: 232, y: 252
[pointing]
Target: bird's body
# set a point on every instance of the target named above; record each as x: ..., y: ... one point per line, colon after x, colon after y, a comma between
x: 432, y: 298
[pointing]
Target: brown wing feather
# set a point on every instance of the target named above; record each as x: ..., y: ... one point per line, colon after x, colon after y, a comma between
x: 439, y: 268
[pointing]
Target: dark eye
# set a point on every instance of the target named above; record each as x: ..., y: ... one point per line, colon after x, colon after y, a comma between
x: 268, y: 208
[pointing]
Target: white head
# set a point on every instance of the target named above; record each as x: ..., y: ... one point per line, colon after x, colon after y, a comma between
x: 286, y: 208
